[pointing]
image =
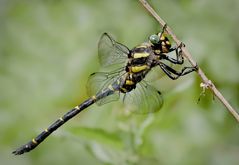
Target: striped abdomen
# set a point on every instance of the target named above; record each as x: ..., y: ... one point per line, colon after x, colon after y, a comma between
x: 59, y: 122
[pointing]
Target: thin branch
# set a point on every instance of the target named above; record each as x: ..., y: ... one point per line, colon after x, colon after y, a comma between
x: 205, y: 81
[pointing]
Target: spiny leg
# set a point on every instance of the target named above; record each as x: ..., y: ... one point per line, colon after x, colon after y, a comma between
x: 167, y: 72
x: 170, y: 71
x: 179, y: 57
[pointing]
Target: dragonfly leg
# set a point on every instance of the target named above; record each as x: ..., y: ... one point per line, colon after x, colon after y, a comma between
x: 173, y: 74
x: 179, y: 56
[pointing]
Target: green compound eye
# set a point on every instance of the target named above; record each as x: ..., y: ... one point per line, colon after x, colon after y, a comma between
x: 154, y: 38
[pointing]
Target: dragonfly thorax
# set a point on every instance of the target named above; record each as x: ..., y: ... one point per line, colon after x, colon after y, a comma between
x: 138, y: 65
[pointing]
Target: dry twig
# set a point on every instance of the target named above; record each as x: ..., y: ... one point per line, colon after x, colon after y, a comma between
x: 187, y: 55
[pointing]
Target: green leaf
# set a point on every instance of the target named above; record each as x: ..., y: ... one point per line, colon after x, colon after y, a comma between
x: 98, y: 135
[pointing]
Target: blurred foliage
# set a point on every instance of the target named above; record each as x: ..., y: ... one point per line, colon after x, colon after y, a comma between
x: 47, y: 50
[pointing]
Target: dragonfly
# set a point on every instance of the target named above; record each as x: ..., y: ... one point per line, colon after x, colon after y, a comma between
x: 126, y: 80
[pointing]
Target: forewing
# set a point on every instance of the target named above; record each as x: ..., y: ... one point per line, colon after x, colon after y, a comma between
x: 112, y: 53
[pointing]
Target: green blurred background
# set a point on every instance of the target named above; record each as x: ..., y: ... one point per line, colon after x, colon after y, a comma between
x: 47, y: 50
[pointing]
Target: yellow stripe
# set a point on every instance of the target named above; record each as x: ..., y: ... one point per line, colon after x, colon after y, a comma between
x: 129, y: 82
x: 157, y: 51
x: 77, y: 107
x: 46, y: 130
x: 61, y: 119
x: 140, y: 55
x: 136, y: 69
x: 142, y: 46
x: 34, y: 141
x: 162, y: 37
x: 123, y: 89
x: 110, y: 87
x: 93, y: 97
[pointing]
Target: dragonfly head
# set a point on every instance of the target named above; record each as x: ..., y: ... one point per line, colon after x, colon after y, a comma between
x: 160, y: 42
x: 154, y: 39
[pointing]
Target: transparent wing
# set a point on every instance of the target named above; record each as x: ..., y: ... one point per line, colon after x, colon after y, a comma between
x: 156, y: 73
x: 99, y: 81
x: 144, y: 99
x: 111, y: 53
